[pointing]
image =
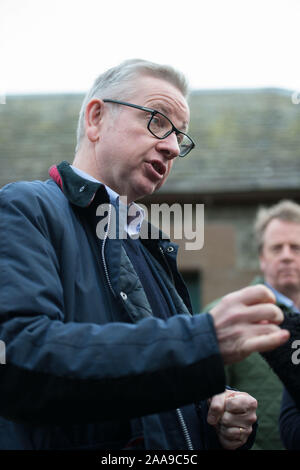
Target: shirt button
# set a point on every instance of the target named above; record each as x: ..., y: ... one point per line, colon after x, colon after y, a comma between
x: 123, y: 295
x: 82, y: 188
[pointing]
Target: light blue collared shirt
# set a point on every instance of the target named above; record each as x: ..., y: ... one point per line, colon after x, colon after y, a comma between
x: 133, y: 225
x: 283, y: 299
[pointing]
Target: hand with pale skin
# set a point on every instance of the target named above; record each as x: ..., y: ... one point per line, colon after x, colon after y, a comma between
x: 232, y: 414
x: 246, y: 321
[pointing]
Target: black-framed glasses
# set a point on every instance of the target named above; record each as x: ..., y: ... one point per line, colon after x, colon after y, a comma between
x: 161, y: 127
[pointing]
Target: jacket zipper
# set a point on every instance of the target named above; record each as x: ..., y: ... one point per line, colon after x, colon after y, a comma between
x: 180, y: 417
x: 167, y: 264
x: 178, y: 411
x: 103, y: 255
x: 184, y: 429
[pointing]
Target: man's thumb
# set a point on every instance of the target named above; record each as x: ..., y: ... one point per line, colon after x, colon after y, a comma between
x: 216, y: 409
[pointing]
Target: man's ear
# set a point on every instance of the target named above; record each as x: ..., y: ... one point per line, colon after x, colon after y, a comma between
x: 93, y: 116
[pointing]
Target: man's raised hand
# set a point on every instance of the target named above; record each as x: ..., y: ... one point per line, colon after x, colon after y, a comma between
x: 246, y: 321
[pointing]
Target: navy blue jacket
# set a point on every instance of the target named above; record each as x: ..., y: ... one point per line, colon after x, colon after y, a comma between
x: 87, y: 364
x: 289, y: 422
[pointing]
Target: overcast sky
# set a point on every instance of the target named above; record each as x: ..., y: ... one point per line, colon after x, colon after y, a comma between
x: 62, y: 45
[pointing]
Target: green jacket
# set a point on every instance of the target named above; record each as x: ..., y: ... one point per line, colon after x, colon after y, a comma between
x: 254, y: 376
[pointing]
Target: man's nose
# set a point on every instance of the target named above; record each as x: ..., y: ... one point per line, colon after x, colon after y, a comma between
x: 286, y: 252
x: 169, y: 146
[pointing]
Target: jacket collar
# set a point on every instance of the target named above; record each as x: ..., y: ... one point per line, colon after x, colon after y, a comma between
x: 82, y: 192
x: 78, y: 190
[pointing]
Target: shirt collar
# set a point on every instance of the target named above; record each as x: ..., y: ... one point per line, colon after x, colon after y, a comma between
x: 282, y: 299
x: 135, y: 213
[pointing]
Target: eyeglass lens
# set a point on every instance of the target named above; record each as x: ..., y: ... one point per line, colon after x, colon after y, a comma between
x: 160, y: 126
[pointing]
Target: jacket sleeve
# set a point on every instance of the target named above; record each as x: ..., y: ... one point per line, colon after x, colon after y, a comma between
x: 285, y: 359
x: 67, y: 372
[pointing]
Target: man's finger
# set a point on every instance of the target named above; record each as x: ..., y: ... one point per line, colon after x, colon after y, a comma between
x: 240, y: 402
x: 262, y: 313
x: 216, y: 409
x: 252, y: 295
x: 235, y: 433
x: 230, y: 419
x: 266, y: 342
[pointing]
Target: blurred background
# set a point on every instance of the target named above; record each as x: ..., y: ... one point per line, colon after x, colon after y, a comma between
x: 242, y: 61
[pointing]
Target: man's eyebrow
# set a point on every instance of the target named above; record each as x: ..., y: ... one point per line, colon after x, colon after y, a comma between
x: 185, y: 126
x: 162, y: 108
x: 167, y: 111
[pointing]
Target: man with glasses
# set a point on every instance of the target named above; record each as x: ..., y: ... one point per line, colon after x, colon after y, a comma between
x: 99, y: 331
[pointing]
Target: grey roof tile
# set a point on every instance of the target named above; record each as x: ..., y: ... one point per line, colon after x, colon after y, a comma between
x: 246, y: 140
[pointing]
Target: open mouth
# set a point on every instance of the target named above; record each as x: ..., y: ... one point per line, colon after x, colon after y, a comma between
x: 159, y: 167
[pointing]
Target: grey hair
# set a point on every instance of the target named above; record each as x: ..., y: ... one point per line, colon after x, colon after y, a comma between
x: 285, y: 210
x: 118, y: 83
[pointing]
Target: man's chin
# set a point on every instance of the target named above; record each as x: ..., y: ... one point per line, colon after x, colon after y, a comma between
x: 288, y: 285
x: 142, y: 192
x: 160, y: 184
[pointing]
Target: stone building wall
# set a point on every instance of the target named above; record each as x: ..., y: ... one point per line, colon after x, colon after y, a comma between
x: 247, y: 153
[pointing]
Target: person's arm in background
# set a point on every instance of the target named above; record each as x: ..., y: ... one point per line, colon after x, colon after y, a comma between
x: 284, y: 360
x: 289, y: 422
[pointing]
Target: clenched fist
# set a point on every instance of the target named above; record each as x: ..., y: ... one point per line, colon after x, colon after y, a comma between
x: 233, y: 415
